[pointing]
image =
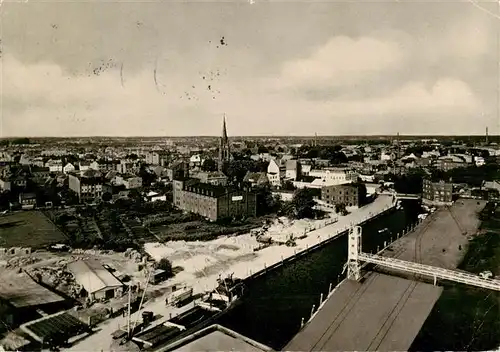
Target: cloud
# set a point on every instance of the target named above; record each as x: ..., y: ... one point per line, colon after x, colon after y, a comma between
x: 42, y: 99
x: 341, y: 61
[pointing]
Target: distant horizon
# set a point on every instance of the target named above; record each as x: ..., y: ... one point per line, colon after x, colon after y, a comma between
x: 423, y: 136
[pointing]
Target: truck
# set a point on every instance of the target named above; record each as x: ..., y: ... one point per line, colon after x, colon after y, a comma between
x: 178, y: 297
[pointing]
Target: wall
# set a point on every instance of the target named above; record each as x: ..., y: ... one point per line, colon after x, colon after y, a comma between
x: 229, y: 205
x: 74, y: 184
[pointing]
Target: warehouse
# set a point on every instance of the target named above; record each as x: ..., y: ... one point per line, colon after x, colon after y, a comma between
x: 97, y: 282
x: 22, y: 299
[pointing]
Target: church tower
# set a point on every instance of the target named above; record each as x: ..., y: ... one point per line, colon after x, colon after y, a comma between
x: 224, y: 155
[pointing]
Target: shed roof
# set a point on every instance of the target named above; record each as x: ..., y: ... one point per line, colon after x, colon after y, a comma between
x: 92, y: 275
x: 21, y: 291
x: 54, y: 326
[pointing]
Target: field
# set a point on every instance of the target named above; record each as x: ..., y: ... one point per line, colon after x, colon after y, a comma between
x: 28, y: 229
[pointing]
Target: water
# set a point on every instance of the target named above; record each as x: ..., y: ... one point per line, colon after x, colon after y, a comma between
x: 274, y: 304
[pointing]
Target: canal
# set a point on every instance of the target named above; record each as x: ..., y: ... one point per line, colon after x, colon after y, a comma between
x: 275, y: 303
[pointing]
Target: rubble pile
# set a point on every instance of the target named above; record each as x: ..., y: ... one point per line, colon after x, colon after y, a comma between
x: 91, y: 251
x: 17, y: 262
x: 133, y: 254
x: 58, y: 278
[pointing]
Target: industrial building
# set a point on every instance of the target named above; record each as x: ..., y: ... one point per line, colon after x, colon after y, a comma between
x: 440, y: 193
x: 213, y: 202
x: 22, y: 299
x: 352, y: 195
x: 97, y: 281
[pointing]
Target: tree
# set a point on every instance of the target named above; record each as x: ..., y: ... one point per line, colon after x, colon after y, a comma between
x: 288, y: 185
x: 262, y: 149
x: 266, y: 203
x: 146, y: 176
x: 209, y: 165
x: 165, y: 264
x: 106, y: 196
x: 340, y: 208
x: 302, y: 204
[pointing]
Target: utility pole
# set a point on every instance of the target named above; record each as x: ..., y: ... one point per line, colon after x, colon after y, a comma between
x: 128, y: 315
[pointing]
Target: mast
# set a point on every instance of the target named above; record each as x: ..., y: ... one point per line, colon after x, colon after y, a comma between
x: 128, y: 315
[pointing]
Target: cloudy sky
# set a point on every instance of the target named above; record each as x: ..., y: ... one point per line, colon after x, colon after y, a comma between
x: 173, y: 68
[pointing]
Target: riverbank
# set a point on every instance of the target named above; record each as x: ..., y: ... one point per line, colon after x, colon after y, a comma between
x: 467, y: 318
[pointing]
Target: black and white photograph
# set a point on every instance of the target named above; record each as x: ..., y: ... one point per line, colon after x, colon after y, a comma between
x: 249, y: 175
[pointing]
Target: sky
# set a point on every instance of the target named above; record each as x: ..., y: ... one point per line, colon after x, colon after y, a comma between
x: 148, y: 68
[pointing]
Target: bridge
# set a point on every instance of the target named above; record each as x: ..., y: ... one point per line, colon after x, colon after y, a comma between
x: 402, y: 195
x: 355, y: 256
x: 407, y: 196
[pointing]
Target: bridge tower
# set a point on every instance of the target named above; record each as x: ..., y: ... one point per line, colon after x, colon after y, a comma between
x: 353, y: 265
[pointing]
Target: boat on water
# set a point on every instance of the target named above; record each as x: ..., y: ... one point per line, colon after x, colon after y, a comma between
x: 212, y: 306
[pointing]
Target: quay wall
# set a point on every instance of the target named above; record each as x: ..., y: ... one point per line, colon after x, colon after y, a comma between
x: 321, y: 237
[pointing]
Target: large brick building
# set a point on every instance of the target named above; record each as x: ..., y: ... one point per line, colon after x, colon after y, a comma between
x: 211, y: 201
x: 437, y: 192
x: 353, y: 194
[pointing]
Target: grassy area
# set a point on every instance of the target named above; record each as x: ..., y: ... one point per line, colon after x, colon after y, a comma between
x: 28, y: 229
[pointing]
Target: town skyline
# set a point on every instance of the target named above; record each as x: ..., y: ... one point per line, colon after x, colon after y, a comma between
x: 296, y: 69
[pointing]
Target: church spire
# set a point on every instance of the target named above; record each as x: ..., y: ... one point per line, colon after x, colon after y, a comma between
x: 224, y: 131
x: 223, y: 147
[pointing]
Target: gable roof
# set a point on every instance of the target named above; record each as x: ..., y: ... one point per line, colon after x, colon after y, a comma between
x: 291, y: 164
x: 92, y: 275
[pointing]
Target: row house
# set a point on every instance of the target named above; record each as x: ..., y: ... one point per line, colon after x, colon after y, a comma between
x: 292, y: 171
x: 256, y: 179
x: 88, y: 185
x: 195, y: 161
x: 437, y: 192
x: 84, y: 166
x: 157, y: 158
x: 132, y: 182
x: 276, y: 171
x: 55, y: 166
x: 215, y: 178
x: 103, y: 165
x: 69, y: 167
x: 127, y: 166
x: 335, y: 176
x: 39, y: 174
x: 447, y: 164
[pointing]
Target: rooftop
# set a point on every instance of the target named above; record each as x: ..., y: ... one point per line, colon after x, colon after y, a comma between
x: 208, y: 189
x: 216, y: 338
x: 92, y: 275
x: 21, y: 291
x: 54, y: 326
